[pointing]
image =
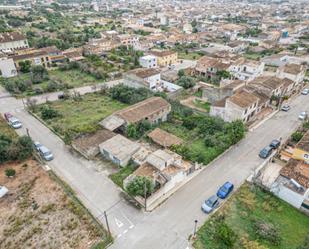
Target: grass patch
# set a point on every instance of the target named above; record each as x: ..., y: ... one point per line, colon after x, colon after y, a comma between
x: 241, y: 212
x: 203, y: 105
x: 82, y: 116
x: 6, y: 130
x: 123, y: 173
x: 189, y: 55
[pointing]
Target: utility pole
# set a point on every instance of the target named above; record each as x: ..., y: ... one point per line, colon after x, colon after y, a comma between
x: 107, y: 225
x: 195, y: 226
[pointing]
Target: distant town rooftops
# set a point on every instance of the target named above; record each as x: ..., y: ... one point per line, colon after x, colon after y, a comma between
x: 11, y: 37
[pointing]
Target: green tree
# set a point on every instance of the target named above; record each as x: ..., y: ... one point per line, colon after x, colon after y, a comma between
x: 25, y: 66
x: 181, y: 73
x: 223, y: 74
x: 136, y: 187
x: 186, y: 82
x: 305, y: 245
x: 10, y: 172
x: 39, y: 74
x: 132, y: 131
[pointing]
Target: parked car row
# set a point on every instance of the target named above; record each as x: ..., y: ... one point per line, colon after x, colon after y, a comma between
x: 266, y: 151
x: 43, y: 151
x: 213, y: 202
x: 12, y: 121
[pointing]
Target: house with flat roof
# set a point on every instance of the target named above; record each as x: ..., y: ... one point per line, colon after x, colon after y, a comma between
x: 167, y: 170
x: 148, y: 61
x: 119, y: 149
x: 153, y: 110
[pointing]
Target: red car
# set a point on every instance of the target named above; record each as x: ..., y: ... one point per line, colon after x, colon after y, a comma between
x: 7, y: 116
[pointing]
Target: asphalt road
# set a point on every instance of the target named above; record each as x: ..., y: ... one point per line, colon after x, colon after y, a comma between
x: 169, y: 225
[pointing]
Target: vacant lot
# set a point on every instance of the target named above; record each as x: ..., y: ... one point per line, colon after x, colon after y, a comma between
x: 37, y: 213
x: 63, y: 79
x: 253, y: 218
x: 83, y: 115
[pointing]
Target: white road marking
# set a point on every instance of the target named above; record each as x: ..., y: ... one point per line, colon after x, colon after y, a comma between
x: 125, y: 231
x: 131, y: 226
x: 118, y: 223
x: 119, y: 235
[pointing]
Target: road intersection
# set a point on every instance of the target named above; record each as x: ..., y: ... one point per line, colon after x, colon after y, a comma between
x: 170, y: 225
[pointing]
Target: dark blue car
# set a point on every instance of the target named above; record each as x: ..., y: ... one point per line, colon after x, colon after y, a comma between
x: 225, y: 190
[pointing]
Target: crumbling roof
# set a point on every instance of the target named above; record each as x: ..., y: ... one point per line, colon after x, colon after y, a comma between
x: 143, y: 109
x: 164, y: 138
x: 293, y: 68
x: 297, y: 170
x: 144, y: 72
x: 243, y: 99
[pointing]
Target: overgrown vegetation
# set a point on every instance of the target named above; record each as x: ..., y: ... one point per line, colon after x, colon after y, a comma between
x: 205, y: 137
x: 12, y: 147
x: 139, y: 186
x: 254, y: 219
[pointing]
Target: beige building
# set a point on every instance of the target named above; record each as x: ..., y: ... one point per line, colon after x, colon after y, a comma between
x: 43, y: 56
x: 165, y: 58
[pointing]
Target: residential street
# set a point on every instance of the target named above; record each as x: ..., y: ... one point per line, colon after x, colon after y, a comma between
x: 169, y: 225
x: 53, y: 96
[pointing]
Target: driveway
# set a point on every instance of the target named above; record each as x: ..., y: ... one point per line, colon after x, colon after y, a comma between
x: 169, y: 225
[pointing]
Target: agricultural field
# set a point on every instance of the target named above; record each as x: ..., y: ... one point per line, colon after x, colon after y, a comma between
x: 253, y: 218
x: 79, y: 115
x: 38, y: 213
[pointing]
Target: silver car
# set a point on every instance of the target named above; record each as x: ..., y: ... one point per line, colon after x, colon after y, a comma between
x: 209, y: 205
x: 15, y: 123
x: 302, y: 116
x: 46, y: 153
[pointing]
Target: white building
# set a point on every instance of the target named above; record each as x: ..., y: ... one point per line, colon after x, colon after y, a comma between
x: 247, y: 70
x: 293, y: 72
x: 11, y: 41
x: 148, y: 61
x: 240, y: 106
x: 7, y: 67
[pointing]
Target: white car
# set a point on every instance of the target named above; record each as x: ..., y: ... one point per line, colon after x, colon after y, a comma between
x: 15, y: 123
x: 305, y: 91
x: 303, y: 116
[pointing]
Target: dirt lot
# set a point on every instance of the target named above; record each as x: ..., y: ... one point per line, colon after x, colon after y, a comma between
x: 37, y: 213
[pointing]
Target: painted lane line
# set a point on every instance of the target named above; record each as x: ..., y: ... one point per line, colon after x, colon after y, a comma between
x: 125, y: 231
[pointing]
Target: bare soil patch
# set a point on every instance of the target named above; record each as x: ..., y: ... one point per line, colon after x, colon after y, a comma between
x: 37, y: 213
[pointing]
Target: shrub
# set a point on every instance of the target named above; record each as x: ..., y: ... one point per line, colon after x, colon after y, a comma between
x: 10, y: 172
x: 297, y: 136
x: 137, y: 186
x: 48, y: 112
x: 226, y: 234
x: 267, y: 231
